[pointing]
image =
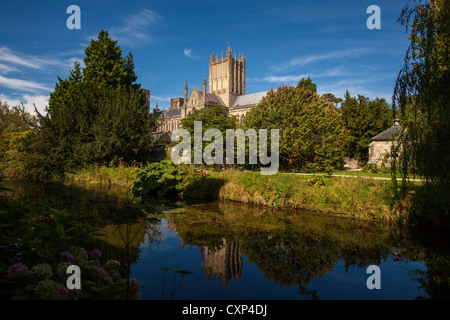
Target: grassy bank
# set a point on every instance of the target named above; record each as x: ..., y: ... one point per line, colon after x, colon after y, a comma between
x: 359, y: 197
x: 117, y: 176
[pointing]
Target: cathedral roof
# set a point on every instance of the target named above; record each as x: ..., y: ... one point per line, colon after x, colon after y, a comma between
x: 249, y: 99
x: 172, y: 112
x: 211, y: 97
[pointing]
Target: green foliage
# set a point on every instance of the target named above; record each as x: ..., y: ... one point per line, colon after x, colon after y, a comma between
x: 15, y: 125
x: 307, y: 84
x: 311, y: 128
x: 200, y: 187
x: 364, y: 119
x: 159, y: 180
x: 213, y: 117
x: 38, y: 243
x: 94, y: 116
x: 316, y: 181
x: 422, y: 93
x: 105, y: 65
x: 167, y: 181
x: 372, y: 167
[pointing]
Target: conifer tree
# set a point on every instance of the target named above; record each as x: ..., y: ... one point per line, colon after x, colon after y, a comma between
x: 94, y: 116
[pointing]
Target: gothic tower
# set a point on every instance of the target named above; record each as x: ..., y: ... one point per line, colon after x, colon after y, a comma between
x: 227, y: 76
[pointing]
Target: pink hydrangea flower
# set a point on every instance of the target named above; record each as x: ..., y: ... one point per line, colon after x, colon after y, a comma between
x: 96, y: 253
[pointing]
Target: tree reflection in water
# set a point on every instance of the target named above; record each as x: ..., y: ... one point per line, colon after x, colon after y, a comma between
x: 176, y: 285
x: 291, y: 249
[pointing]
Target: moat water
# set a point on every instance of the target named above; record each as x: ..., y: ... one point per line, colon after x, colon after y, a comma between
x: 226, y: 250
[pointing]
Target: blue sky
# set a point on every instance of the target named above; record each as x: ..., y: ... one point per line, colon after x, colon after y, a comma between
x: 171, y: 41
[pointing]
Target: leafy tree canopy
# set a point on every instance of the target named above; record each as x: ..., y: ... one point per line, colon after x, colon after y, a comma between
x: 105, y: 65
x: 422, y: 92
x: 312, y: 130
x: 364, y: 119
x: 95, y: 116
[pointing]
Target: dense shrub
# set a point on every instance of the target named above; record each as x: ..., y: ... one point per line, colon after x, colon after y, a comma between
x: 159, y: 179
x: 38, y: 243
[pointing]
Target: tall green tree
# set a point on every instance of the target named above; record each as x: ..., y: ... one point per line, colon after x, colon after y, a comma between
x: 95, y: 116
x: 364, y: 119
x: 213, y: 117
x: 15, y: 125
x: 312, y: 131
x: 422, y: 93
x: 307, y: 84
x: 105, y: 65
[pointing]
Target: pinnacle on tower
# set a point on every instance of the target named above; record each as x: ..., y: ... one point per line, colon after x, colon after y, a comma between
x: 204, y: 89
x: 185, y: 93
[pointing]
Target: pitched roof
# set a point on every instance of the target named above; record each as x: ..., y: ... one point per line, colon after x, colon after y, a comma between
x: 249, y: 99
x: 388, y: 134
x: 210, y: 97
x: 172, y: 112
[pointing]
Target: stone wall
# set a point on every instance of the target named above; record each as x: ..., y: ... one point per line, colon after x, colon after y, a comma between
x: 377, y: 151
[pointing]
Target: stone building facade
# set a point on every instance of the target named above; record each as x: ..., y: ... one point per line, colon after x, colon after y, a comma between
x: 380, y: 146
x: 226, y: 88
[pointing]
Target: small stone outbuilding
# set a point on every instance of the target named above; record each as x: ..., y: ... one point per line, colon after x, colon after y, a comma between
x: 380, y: 147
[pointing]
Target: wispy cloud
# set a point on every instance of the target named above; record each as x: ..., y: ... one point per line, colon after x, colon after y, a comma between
x: 31, y: 61
x: 24, y: 85
x: 4, y: 69
x: 284, y: 79
x: 135, y: 28
x: 188, y: 53
x: 7, y: 55
x: 29, y: 101
x: 305, y: 60
x: 339, y: 71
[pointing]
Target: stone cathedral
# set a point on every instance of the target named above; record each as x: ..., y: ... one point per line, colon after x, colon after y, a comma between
x: 226, y: 87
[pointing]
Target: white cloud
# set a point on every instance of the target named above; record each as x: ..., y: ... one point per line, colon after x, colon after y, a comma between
x: 4, y: 69
x: 34, y: 62
x: 302, y: 61
x: 41, y: 101
x: 20, y: 84
x: 188, y: 53
x: 8, y: 56
x: 333, y: 72
x: 159, y: 98
x: 135, y: 28
x: 284, y: 79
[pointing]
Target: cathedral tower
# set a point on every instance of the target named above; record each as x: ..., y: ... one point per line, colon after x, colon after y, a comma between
x: 227, y: 76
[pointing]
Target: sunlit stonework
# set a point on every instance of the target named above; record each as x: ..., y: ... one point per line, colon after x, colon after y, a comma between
x: 226, y: 88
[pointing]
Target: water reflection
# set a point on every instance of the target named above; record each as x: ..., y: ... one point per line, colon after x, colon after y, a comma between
x: 292, y: 249
x: 233, y: 251
x: 224, y: 262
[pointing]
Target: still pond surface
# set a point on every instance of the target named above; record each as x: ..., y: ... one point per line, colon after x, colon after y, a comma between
x: 226, y: 250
